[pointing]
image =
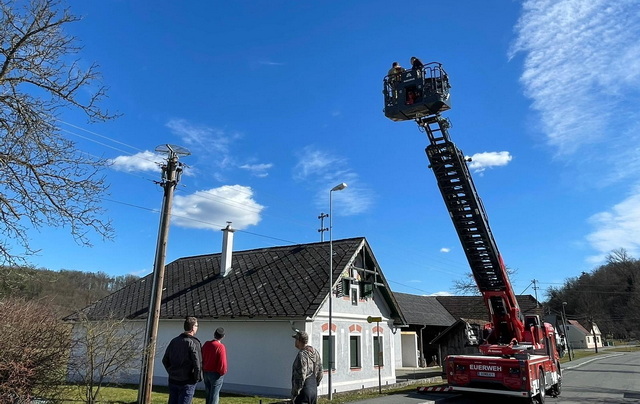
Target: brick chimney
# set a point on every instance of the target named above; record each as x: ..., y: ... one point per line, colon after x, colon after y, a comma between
x: 227, y: 250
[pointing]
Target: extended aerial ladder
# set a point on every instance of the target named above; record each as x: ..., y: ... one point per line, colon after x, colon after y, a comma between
x: 422, y: 95
x: 470, y: 221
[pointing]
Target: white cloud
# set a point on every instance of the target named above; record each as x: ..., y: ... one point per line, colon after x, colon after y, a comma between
x: 314, y: 163
x: 213, y: 147
x: 258, y: 170
x: 445, y: 250
x: 270, y: 63
x: 143, y: 161
x: 582, y: 74
x: 322, y: 172
x: 141, y: 272
x: 441, y: 294
x: 617, y: 228
x: 208, y: 145
x: 203, y: 137
x: 212, y: 208
x: 482, y: 161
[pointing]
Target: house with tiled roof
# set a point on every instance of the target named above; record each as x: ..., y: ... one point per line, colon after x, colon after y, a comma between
x: 582, y: 338
x: 259, y: 296
x: 426, y: 318
x: 474, y: 306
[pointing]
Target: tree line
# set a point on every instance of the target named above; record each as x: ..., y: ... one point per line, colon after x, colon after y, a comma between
x: 608, y: 296
x: 64, y: 291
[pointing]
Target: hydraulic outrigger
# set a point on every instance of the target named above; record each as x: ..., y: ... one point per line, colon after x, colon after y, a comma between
x: 519, y: 354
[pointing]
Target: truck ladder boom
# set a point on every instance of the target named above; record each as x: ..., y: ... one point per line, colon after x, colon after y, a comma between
x: 471, y: 223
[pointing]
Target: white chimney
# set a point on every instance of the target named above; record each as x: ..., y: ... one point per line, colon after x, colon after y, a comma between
x: 227, y: 250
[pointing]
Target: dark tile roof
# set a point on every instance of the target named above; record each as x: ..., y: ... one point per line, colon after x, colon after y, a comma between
x: 290, y: 281
x: 474, y: 307
x: 423, y: 310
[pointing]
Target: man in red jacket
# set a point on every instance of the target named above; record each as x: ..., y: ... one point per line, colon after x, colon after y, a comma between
x: 214, y: 365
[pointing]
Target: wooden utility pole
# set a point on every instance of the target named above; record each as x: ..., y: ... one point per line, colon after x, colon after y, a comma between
x: 170, y: 177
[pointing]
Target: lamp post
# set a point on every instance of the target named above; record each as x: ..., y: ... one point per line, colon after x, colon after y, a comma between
x: 564, y: 321
x: 338, y: 187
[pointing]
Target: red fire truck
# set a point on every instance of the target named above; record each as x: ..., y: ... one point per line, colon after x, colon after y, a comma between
x: 518, y: 355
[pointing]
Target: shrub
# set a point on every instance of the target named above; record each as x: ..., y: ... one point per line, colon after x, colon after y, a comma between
x: 33, y: 350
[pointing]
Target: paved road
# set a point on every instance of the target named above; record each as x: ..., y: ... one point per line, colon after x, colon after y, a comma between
x: 612, y: 379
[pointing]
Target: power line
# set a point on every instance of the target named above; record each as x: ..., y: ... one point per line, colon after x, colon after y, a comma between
x: 98, y: 135
x: 431, y: 259
x: 413, y: 258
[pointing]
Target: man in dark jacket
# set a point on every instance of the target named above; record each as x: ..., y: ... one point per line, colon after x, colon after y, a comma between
x: 183, y: 362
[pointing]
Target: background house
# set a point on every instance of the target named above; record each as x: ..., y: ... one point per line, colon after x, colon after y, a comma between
x: 582, y: 338
x: 426, y: 318
x: 259, y: 296
x: 450, y: 325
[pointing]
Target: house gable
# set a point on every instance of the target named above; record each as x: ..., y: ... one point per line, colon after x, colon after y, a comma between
x: 363, y: 273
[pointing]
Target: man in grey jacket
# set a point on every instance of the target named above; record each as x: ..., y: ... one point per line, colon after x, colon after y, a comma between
x: 183, y: 362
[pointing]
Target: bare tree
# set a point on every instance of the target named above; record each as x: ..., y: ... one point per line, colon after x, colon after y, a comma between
x: 619, y: 255
x: 103, y: 351
x: 44, y: 179
x: 33, y: 350
x: 468, y: 286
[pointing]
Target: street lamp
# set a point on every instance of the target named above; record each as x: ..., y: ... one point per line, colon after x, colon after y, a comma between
x: 564, y: 321
x: 338, y: 187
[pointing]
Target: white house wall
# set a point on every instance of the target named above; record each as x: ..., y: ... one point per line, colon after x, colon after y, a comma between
x: 579, y: 340
x: 409, y: 349
x: 349, y: 319
x: 128, y: 373
x: 259, y: 353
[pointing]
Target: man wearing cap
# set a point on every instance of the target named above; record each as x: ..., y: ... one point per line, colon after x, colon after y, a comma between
x: 214, y: 365
x: 306, y: 372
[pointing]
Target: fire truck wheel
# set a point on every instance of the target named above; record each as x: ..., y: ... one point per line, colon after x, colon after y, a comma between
x: 556, y: 389
x: 541, y: 395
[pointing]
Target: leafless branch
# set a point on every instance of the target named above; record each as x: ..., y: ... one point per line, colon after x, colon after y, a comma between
x: 44, y: 179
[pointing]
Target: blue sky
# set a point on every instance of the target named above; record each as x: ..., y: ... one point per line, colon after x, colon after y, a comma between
x: 279, y: 101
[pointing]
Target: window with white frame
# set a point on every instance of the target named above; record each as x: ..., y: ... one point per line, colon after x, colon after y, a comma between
x: 355, y: 361
x: 354, y: 294
x: 378, y: 352
x: 325, y: 352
